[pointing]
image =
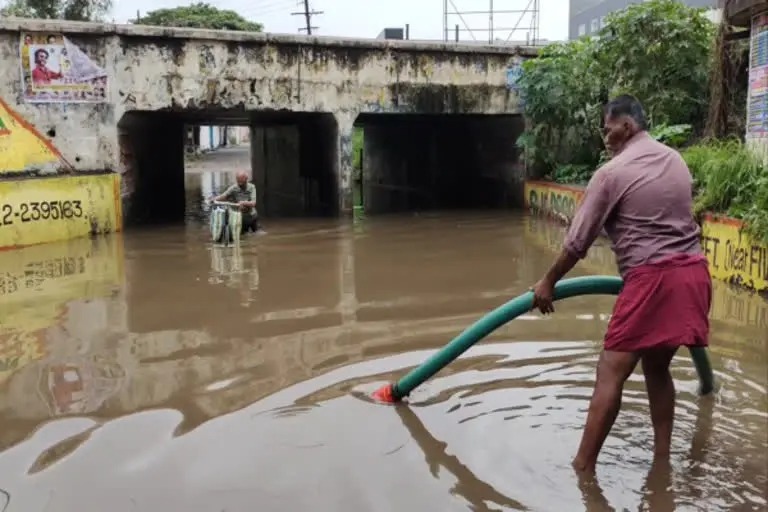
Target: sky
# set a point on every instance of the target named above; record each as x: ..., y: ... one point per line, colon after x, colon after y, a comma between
x: 367, y: 18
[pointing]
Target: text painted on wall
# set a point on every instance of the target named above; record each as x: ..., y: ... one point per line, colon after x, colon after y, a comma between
x: 733, y: 256
x: 33, y: 211
x: 40, y: 210
x: 553, y: 199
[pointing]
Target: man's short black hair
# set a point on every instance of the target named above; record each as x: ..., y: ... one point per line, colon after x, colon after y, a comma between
x: 627, y: 105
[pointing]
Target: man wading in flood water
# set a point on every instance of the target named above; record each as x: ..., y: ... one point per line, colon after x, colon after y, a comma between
x: 643, y: 198
x: 244, y: 194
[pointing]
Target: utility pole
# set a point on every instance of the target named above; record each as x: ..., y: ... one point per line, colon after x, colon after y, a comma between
x: 308, y: 17
x: 490, y: 23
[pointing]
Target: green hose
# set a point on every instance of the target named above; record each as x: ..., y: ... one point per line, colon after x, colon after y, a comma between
x: 590, y: 285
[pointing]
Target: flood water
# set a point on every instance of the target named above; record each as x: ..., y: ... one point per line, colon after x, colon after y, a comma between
x: 152, y: 372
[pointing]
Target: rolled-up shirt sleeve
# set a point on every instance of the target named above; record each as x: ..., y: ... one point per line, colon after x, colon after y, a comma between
x: 591, y: 215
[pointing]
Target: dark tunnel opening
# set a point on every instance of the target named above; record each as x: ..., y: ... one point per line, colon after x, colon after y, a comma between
x: 412, y: 162
x: 292, y: 160
x: 295, y: 164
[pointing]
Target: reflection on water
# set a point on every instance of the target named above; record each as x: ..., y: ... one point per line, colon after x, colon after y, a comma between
x: 160, y: 373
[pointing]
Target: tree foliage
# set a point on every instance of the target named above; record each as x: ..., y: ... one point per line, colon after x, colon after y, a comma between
x: 659, y: 51
x: 199, y: 15
x: 76, y: 10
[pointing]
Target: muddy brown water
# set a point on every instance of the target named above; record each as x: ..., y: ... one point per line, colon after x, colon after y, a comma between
x: 153, y: 372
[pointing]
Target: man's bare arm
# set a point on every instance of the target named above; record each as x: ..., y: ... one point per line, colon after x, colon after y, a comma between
x: 562, y: 265
x: 586, y: 226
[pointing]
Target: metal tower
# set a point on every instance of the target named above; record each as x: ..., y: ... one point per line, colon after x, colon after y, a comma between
x: 491, y: 21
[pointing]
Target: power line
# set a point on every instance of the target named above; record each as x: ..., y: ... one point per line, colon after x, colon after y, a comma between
x: 268, y: 7
x: 307, y: 13
x: 247, y: 9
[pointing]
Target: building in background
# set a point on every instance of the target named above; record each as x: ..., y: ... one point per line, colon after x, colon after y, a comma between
x: 209, y: 138
x: 588, y: 16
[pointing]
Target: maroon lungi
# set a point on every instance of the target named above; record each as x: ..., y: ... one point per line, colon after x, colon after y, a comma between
x: 662, y: 304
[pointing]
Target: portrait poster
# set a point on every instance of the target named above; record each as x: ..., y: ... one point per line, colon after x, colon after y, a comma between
x: 54, y: 70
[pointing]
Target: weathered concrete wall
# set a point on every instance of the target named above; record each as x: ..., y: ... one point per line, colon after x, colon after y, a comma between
x: 183, y: 70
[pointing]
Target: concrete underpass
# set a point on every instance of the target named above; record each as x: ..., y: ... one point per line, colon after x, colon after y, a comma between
x: 293, y: 162
x: 406, y: 162
x: 439, y: 162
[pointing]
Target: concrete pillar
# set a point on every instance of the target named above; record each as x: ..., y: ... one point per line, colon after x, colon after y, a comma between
x: 258, y: 163
x: 345, y: 124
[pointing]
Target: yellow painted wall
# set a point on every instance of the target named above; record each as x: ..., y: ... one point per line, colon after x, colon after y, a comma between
x: 553, y: 199
x: 739, y: 318
x: 732, y: 256
x: 39, y: 210
x: 23, y: 148
x: 37, y: 282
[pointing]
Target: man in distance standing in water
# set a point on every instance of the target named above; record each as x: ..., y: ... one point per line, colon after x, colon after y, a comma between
x: 244, y: 194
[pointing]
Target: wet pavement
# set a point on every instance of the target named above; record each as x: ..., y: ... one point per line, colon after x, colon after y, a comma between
x: 226, y: 159
x: 153, y: 372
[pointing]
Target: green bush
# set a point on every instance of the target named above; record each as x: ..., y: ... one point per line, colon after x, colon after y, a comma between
x: 660, y: 51
x: 675, y: 135
x: 730, y: 179
x: 573, y: 174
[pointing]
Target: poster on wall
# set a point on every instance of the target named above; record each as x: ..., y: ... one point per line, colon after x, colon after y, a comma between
x: 757, y: 95
x: 55, y: 70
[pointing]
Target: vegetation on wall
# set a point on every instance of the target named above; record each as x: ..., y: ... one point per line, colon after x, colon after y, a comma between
x: 76, y: 10
x: 199, y: 15
x: 659, y: 51
x: 731, y: 179
x: 357, y: 147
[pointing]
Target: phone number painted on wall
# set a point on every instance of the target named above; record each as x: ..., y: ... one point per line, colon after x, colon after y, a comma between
x: 40, y: 210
